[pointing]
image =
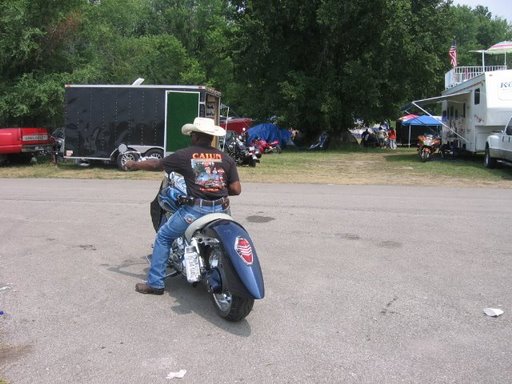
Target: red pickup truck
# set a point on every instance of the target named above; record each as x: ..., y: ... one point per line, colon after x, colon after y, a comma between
x: 23, y: 143
x: 237, y: 124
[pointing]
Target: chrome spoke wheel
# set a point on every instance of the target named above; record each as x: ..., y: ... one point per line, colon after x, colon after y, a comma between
x: 122, y: 158
x: 223, y: 301
x: 228, y: 306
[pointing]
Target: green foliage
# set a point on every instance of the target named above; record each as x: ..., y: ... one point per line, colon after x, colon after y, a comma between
x: 475, y: 29
x: 321, y: 64
x: 158, y: 59
x: 33, y: 59
x: 202, y: 27
x: 34, y: 100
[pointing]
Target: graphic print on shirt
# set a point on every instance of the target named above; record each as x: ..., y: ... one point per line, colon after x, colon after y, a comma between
x: 208, y: 172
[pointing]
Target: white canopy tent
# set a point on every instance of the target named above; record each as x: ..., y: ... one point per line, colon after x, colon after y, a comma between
x: 501, y: 48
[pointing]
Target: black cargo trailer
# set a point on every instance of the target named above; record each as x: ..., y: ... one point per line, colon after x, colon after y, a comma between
x: 146, y: 118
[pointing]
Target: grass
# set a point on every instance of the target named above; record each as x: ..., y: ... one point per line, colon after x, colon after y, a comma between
x: 349, y: 165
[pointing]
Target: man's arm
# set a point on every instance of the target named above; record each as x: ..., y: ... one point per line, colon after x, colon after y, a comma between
x: 235, y: 188
x: 146, y: 165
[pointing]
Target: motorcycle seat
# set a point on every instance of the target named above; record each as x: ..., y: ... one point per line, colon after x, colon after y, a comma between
x: 202, y: 221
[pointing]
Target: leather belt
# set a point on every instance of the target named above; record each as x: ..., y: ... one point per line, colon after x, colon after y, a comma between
x: 224, y: 201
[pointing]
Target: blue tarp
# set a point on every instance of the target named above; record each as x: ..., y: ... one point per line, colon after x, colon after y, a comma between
x: 269, y: 132
x: 422, y: 120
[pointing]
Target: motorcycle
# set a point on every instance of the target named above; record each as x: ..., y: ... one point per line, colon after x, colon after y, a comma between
x: 428, y: 145
x: 235, y: 147
x: 265, y: 146
x: 57, y: 141
x: 215, y: 250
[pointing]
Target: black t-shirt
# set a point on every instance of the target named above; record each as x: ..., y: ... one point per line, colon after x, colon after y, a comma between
x: 207, y: 170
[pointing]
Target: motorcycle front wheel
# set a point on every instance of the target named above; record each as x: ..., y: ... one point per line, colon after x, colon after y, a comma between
x: 231, y: 307
x: 424, y: 154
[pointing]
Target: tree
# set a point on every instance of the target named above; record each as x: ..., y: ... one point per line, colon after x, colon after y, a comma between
x: 158, y: 59
x: 204, y: 28
x: 476, y: 29
x: 316, y: 65
x: 321, y: 64
x: 33, y: 34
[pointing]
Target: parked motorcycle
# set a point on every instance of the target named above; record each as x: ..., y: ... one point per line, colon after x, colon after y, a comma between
x: 428, y: 145
x: 215, y: 250
x: 266, y: 147
x: 234, y: 146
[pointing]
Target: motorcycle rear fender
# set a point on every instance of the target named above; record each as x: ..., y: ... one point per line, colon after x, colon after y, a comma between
x: 238, y: 277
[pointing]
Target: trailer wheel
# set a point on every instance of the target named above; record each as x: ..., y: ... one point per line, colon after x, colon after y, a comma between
x: 122, y: 158
x: 154, y: 153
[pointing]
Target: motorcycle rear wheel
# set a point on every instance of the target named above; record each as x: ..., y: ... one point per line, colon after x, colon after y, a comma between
x: 228, y: 306
x: 231, y: 307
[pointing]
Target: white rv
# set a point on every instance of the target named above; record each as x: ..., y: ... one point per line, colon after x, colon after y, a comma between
x: 477, y: 100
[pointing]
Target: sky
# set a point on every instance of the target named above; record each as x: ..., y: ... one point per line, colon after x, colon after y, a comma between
x: 501, y: 8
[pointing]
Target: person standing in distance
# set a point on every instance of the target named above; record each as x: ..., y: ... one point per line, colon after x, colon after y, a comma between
x: 210, y: 175
x: 392, y: 138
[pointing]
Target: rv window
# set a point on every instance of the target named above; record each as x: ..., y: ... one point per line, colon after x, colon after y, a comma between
x: 509, y: 128
x: 456, y: 113
x: 477, y: 96
x: 451, y: 111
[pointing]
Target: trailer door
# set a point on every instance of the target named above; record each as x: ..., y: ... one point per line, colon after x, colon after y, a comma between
x: 182, y: 107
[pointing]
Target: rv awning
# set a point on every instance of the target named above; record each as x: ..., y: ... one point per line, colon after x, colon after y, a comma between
x: 422, y: 120
x: 457, y: 97
x: 460, y: 96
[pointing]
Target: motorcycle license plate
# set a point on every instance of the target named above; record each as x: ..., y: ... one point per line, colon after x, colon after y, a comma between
x: 251, y: 148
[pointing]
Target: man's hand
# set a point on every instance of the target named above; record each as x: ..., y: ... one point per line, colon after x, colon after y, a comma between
x: 130, y: 165
x: 151, y: 164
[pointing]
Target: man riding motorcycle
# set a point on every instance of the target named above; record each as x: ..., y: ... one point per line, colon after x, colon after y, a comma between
x: 210, y: 176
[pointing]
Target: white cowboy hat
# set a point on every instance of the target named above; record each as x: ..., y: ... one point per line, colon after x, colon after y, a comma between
x: 203, y: 125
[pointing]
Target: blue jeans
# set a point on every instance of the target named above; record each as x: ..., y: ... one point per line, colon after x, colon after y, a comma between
x: 170, y: 231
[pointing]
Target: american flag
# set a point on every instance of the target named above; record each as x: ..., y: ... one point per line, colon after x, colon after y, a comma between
x: 453, y: 54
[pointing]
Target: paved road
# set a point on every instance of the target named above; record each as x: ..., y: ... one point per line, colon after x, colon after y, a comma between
x: 364, y: 284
